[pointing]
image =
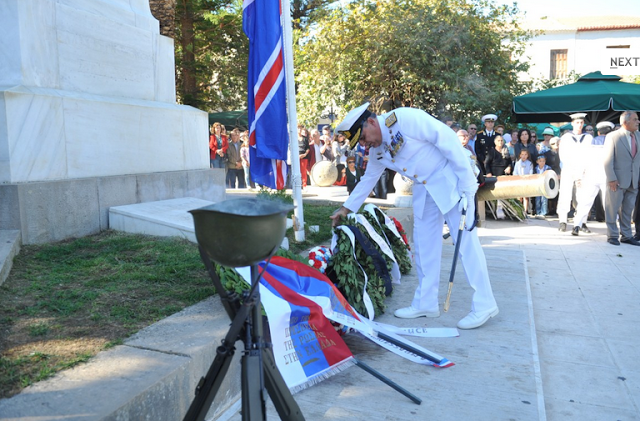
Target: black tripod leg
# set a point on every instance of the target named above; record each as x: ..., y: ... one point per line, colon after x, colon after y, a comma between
x: 283, y: 401
x: 253, y: 399
x: 388, y: 381
x: 209, y: 386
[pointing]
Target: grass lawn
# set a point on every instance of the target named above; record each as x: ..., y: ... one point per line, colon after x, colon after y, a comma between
x: 65, y: 302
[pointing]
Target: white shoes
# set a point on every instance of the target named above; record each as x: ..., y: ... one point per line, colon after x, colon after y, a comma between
x: 412, y: 313
x: 477, y: 318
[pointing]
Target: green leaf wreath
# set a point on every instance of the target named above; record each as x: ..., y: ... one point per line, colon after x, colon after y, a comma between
x: 398, y: 246
x: 232, y: 281
x: 348, y: 276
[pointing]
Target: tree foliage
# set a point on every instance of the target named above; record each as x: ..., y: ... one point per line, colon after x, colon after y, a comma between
x: 453, y: 57
x: 305, y: 12
x: 211, y: 54
x: 212, y: 50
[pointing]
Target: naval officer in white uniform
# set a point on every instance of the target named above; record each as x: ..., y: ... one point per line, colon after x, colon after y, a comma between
x: 416, y: 145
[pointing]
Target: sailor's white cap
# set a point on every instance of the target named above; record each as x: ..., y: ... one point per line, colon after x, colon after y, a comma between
x: 578, y: 116
x: 489, y: 117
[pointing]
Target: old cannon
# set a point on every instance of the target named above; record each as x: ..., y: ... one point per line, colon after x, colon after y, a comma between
x: 515, y: 186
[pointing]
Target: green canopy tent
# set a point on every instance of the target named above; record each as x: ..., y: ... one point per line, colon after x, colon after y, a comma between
x: 230, y: 119
x: 602, y: 97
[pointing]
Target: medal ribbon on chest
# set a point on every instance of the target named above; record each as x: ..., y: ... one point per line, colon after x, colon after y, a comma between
x: 396, y: 139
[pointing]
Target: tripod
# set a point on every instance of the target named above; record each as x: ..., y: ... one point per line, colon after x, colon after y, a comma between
x: 258, y: 367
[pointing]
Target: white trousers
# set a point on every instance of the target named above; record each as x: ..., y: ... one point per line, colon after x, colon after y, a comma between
x: 585, y: 195
x: 565, y: 195
x: 427, y: 238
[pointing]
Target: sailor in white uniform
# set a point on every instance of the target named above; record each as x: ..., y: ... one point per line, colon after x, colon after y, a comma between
x: 418, y: 146
x: 574, y: 148
x: 592, y: 181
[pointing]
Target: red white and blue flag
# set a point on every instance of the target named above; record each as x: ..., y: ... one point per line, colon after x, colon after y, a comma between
x: 300, y: 302
x: 267, y: 111
x: 306, y: 346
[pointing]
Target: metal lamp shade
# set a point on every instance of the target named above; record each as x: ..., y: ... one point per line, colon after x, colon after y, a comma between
x: 241, y: 232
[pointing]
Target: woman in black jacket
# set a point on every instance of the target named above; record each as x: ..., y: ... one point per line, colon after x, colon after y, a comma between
x: 498, y: 162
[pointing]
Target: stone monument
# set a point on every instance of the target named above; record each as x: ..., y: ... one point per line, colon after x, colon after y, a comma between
x: 88, y: 117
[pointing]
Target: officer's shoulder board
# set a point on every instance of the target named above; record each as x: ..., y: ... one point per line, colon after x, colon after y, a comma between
x: 482, y: 132
x: 391, y: 120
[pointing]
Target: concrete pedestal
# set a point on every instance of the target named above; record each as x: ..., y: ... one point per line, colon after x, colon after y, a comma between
x: 87, y: 98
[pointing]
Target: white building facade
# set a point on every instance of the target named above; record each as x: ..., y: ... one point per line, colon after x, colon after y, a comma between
x: 579, y: 45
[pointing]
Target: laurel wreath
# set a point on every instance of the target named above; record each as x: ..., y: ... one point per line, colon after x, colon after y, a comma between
x: 232, y: 281
x: 344, y: 271
x: 398, y: 246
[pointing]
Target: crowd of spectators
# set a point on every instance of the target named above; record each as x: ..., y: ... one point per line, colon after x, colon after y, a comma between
x: 231, y: 152
x: 587, y: 163
x: 575, y: 155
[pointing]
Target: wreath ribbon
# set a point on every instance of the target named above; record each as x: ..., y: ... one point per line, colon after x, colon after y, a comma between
x: 365, y: 295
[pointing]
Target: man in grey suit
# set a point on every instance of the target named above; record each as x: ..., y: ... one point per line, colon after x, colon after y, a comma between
x: 622, y: 167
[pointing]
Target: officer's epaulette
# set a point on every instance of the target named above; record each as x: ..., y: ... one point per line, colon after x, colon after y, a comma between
x: 391, y: 120
x: 481, y: 132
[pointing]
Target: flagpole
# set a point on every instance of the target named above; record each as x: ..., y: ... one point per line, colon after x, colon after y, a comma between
x: 296, y: 179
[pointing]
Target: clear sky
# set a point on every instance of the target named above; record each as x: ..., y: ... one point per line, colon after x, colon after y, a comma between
x: 564, y: 8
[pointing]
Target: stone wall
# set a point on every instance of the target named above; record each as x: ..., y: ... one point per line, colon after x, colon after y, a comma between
x: 56, y: 210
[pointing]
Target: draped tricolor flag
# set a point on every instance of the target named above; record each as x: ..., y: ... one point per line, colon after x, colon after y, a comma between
x: 306, y: 347
x: 267, y: 113
x: 299, y: 302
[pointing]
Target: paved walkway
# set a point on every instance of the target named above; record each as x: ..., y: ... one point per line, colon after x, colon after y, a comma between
x: 585, y: 297
x: 586, y: 304
x: 565, y: 345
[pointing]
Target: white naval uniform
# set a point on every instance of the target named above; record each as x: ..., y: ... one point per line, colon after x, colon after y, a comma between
x: 593, y: 180
x: 573, y: 155
x: 431, y: 155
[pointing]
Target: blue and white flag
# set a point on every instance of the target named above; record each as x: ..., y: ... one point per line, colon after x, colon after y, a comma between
x: 267, y: 111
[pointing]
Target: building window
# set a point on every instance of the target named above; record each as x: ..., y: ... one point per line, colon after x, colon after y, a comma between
x: 558, y: 69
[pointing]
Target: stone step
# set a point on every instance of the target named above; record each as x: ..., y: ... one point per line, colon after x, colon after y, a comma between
x: 163, y: 218
x: 10, y: 241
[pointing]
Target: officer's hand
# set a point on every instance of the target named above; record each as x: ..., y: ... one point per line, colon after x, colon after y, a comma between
x: 336, y: 218
x: 463, y: 203
x: 466, y: 198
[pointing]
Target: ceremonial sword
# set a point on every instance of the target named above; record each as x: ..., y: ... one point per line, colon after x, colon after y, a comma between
x: 463, y: 217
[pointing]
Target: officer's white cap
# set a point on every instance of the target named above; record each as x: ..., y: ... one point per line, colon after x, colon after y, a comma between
x: 489, y: 117
x: 578, y: 116
x: 351, y: 125
x: 604, y: 124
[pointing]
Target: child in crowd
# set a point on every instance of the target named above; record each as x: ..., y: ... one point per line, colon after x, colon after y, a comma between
x: 524, y: 167
x: 541, y: 201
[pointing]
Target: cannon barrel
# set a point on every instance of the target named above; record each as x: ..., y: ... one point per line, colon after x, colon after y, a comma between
x: 516, y: 186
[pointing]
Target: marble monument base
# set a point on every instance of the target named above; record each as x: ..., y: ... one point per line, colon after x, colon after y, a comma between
x: 51, y: 211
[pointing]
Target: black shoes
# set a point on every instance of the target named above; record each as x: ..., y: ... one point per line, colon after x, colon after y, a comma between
x: 562, y: 227
x: 584, y: 228
x: 631, y: 241
x: 613, y: 241
x: 575, y: 231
